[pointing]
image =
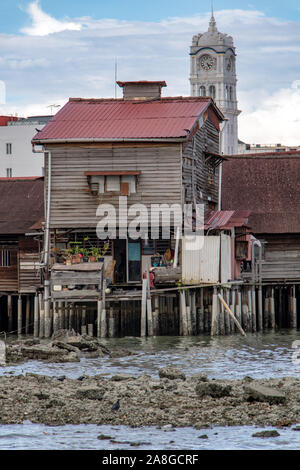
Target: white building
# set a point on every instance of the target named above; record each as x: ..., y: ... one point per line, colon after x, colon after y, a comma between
x: 244, y: 148
x: 213, y: 73
x: 16, y: 156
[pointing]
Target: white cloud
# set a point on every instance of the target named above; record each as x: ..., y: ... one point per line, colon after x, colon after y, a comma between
x: 276, y: 120
x: 44, y: 24
x: 80, y: 62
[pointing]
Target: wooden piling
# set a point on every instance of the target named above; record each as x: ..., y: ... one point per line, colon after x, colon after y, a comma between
x: 293, y: 308
x: 183, y: 314
x: 272, y: 309
x: 231, y: 315
x: 19, y: 316
x: 27, y: 315
x: 253, y: 303
x: 91, y: 329
x: 42, y: 316
x: 144, y: 308
x: 36, y: 317
x: 71, y: 316
x: 61, y: 315
x: 156, y: 316
x: 239, y: 306
x: 233, y: 309
x: 99, y: 312
x: 214, y: 315
x: 9, y: 313
x: 55, y: 317
x: 260, y: 309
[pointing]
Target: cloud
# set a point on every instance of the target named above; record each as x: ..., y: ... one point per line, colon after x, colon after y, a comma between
x: 44, y: 24
x: 80, y: 62
x: 276, y: 120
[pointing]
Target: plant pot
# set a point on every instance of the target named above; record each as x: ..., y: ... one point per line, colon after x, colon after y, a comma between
x: 76, y: 259
x: 93, y: 259
x: 68, y: 261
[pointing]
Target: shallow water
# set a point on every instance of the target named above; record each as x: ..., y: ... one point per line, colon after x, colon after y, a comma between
x: 264, y: 355
x: 258, y: 355
x: 84, y: 437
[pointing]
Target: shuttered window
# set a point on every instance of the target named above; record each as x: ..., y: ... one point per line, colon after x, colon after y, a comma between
x: 5, y: 258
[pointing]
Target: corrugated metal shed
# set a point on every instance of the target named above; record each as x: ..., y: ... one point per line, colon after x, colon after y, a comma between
x: 200, y: 259
x: 226, y: 220
x: 132, y: 119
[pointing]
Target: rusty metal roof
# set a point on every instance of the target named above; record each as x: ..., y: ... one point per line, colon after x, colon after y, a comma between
x: 268, y: 186
x: 22, y: 204
x: 226, y: 220
x: 115, y: 119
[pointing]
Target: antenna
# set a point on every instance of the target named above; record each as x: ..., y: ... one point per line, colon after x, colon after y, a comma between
x: 116, y: 76
x: 212, y: 7
x: 53, y: 106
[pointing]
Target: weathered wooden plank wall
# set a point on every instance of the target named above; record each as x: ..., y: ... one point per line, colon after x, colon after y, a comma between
x: 72, y: 204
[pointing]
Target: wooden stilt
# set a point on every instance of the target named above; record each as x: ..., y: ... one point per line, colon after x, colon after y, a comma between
x: 61, y: 315
x: 55, y: 317
x: 231, y: 314
x: 36, y: 317
x: 260, y: 309
x: 149, y: 307
x: 42, y: 316
x: 253, y: 303
x: 71, y: 316
x: 293, y: 315
x: 214, y: 312
x: 9, y: 313
x: 19, y: 316
x: 188, y: 313
x: 91, y: 329
x: 272, y: 309
x: 239, y: 306
x: 223, y: 327
x: 27, y: 315
x: 266, y: 318
x: 201, y: 311
x: 183, y: 314
x: 233, y: 309
x: 156, y: 316
x: 103, y: 329
x: 144, y: 308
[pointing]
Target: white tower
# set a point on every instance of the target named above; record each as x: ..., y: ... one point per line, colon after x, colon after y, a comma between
x: 213, y: 73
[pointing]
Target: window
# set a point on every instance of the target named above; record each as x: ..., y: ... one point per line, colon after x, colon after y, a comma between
x: 8, y: 172
x: 8, y: 149
x: 230, y: 94
x: 5, y: 260
x: 212, y: 92
x: 202, y: 91
x: 123, y: 183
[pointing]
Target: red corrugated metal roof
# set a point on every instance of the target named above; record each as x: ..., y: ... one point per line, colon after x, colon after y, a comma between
x: 119, y: 119
x: 225, y: 220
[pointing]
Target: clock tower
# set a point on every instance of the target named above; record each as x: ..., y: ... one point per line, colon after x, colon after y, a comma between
x: 213, y: 73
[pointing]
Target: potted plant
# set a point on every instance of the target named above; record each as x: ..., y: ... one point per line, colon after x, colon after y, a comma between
x: 76, y: 252
x: 93, y: 254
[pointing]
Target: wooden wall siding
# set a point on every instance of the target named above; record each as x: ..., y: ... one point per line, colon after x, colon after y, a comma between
x: 205, y: 176
x: 73, y: 206
x: 29, y: 273
x: 133, y: 91
x: 9, y: 279
x: 282, y: 257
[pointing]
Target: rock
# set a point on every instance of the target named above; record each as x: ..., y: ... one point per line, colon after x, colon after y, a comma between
x: 213, y: 389
x: 265, y: 394
x: 62, y: 345
x: 80, y: 343
x: 204, y: 436
x: 90, y: 393
x: 42, y: 396
x: 266, y: 434
x: 121, y: 377
x: 171, y: 373
x: 42, y: 353
x: 200, y: 377
x: 103, y: 437
x: 31, y: 342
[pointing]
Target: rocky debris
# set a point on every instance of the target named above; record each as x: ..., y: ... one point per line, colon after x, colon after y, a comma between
x: 64, y: 346
x: 203, y: 436
x: 104, y: 437
x: 90, y: 393
x: 213, y: 390
x: 265, y: 434
x: 261, y: 393
x: 171, y: 373
x: 47, y: 400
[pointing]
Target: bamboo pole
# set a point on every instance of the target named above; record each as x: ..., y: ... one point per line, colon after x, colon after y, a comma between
x: 231, y: 314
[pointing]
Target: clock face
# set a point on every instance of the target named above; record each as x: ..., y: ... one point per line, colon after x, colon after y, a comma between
x: 206, y: 62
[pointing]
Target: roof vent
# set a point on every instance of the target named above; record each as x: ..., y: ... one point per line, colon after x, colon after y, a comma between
x: 142, y: 90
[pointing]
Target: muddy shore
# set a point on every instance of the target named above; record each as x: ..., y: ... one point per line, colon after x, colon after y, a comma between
x: 144, y: 401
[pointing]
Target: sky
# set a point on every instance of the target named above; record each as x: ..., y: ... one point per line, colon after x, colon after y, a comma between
x: 51, y: 50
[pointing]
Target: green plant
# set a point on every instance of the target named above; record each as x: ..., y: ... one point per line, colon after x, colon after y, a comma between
x: 94, y: 251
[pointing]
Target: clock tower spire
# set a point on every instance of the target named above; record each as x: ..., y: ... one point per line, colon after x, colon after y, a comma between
x: 213, y: 73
